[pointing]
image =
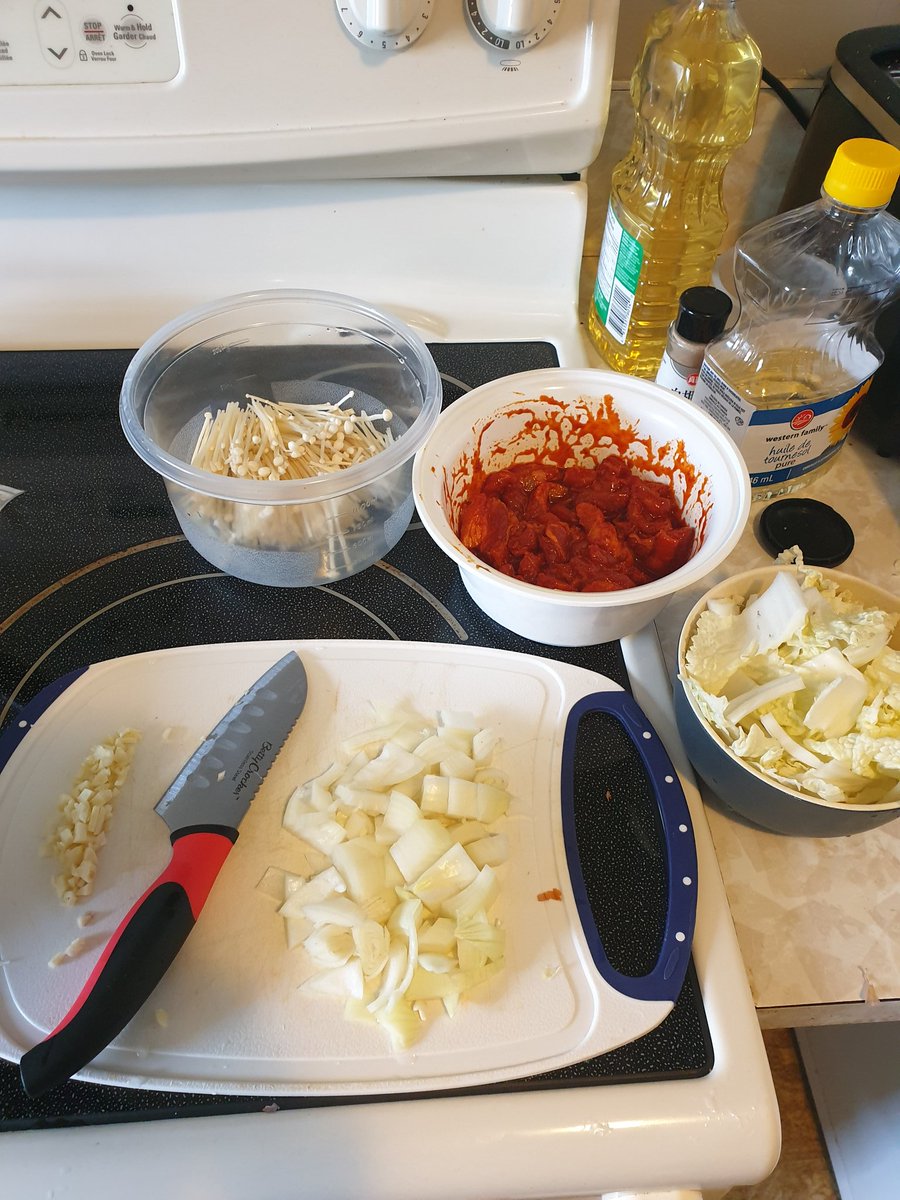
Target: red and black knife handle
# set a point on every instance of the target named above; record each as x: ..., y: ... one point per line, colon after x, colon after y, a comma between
x: 134, y: 959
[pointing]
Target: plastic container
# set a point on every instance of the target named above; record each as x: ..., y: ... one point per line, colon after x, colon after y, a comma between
x: 702, y: 315
x: 787, y: 380
x: 694, y: 92
x: 299, y: 347
x: 493, y: 426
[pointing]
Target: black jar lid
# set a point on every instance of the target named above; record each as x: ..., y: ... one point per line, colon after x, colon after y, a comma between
x: 702, y: 313
x: 822, y: 535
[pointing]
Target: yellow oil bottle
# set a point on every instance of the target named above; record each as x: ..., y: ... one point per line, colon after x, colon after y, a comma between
x: 694, y: 92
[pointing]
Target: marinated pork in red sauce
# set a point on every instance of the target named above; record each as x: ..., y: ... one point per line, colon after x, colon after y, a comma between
x: 576, y: 529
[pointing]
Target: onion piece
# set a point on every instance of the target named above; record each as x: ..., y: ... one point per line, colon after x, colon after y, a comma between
x: 489, y: 851
x: 438, y: 936
x: 327, y: 883
x: 319, y: 829
x: 480, y: 894
x: 445, y: 878
x: 794, y: 749
x: 337, y: 981
x: 401, y: 814
x: 419, y: 847
x: 329, y: 945
x: 335, y: 910
x: 392, y: 765
x: 360, y: 863
x: 762, y: 694
x: 373, y: 943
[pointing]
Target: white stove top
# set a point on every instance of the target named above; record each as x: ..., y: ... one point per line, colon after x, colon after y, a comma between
x: 99, y: 255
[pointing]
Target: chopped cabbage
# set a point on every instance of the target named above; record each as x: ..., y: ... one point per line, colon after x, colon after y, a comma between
x: 838, y: 735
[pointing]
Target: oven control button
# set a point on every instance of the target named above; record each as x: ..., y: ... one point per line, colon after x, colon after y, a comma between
x: 513, y: 24
x: 385, y: 24
x: 54, y: 34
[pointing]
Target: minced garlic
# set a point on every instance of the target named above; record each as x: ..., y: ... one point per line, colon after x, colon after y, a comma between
x: 85, y: 813
x: 73, y: 949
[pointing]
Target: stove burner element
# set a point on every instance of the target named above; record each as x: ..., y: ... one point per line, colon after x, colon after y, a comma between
x: 97, y: 569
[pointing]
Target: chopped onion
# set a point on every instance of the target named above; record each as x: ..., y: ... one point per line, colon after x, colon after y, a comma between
x: 480, y: 894
x: 438, y: 937
x: 794, y: 749
x: 372, y: 942
x: 336, y: 910
x: 762, y: 694
x: 400, y: 853
x: 445, y: 878
x: 401, y: 814
x: 419, y: 847
x: 489, y: 851
x: 392, y: 765
x: 329, y: 945
x: 360, y: 863
x: 337, y: 981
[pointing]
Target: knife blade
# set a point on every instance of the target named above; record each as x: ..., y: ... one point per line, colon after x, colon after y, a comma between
x: 203, y: 808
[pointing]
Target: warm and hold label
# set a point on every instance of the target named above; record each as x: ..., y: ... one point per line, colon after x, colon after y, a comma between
x: 780, y: 444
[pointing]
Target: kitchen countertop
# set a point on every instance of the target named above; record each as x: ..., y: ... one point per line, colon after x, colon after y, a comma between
x: 816, y: 918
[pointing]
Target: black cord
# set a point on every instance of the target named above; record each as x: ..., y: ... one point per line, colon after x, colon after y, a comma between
x: 786, y: 96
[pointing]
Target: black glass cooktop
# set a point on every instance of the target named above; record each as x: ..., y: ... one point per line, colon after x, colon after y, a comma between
x: 94, y: 566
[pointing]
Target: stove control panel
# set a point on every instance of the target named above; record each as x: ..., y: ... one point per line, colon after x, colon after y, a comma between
x: 57, y: 42
x: 385, y: 24
x: 291, y: 89
x: 513, y: 24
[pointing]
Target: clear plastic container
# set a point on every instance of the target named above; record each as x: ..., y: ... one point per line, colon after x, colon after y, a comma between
x: 788, y: 378
x: 296, y: 347
x: 694, y: 93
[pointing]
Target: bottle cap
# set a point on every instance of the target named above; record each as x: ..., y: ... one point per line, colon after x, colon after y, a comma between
x: 702, y: 313
x: 822, y: 535
x: 863, y: 173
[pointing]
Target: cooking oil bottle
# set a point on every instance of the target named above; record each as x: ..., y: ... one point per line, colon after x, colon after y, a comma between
x: 694, y: 92
x: 787, y: 380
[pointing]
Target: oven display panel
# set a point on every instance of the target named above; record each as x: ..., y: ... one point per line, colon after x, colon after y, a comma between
x: 58, y: 42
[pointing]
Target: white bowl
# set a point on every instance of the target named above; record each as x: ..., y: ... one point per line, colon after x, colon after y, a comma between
x: 658, y: 430
x: 745, y: 790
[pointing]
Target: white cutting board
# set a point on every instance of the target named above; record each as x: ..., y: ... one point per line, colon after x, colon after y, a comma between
x: 234, y: 1021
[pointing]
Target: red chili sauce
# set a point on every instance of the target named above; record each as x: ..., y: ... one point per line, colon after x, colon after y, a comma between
x: 578, y: 529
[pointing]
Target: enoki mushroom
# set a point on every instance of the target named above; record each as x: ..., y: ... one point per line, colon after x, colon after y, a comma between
x: 272, y: 441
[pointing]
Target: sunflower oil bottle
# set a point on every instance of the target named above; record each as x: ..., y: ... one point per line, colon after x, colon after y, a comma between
x: 694, y: 92
x: 788, y: 378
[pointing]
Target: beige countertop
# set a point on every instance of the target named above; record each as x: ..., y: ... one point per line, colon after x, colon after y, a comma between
x: 817, y: 919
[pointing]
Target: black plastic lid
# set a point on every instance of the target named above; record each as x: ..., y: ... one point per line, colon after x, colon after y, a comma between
x: 702, y: 313
x: 822, y: 535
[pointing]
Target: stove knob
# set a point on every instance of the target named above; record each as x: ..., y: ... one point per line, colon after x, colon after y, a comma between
x: 385, y: 24
x: 513, y: 24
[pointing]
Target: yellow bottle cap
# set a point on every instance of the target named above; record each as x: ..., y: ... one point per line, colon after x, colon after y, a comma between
x: 863, y: 173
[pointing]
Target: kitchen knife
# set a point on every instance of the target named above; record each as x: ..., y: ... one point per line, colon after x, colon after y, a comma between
x: 203, y: 808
